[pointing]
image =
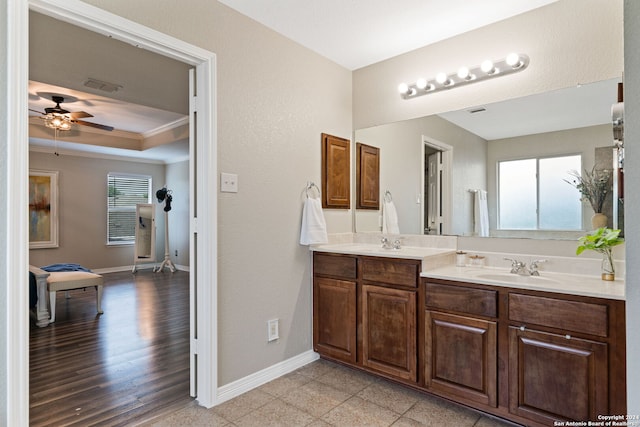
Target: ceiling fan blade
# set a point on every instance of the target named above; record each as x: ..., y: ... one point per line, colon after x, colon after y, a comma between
x: 36, y: 111
x: 93, y: 125
x: 79, y: 115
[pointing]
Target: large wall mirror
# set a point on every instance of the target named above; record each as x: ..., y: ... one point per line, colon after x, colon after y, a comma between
x: 466, y: 147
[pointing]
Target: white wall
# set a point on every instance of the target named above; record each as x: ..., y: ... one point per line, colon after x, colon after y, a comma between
x: 568, y: 42
x: 4, y: 248
x: 274, y: 99
x: 82, y: 210
x: 632, y: 198
x: 401, y: 170
x: 177, y: 180
x: 581, y: 141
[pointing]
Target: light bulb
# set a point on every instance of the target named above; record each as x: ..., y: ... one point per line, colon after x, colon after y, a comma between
x: 441, y: 78
x: 513, y: 60
x: 463, y: 73
x: 403, y: 88
x: 65, y: 125
x: 421, y: 84
x: 488, y: 67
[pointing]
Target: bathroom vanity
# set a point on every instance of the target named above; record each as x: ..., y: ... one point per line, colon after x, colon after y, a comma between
x: 531, y: 350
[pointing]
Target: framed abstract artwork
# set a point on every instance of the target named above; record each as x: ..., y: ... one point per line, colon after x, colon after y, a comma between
x: 43, y: 209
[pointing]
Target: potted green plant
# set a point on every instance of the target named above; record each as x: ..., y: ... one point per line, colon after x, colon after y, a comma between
x: 594, y: 187
x: 602, y: 240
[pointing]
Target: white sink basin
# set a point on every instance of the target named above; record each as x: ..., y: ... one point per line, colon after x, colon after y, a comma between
x: 515, y: 278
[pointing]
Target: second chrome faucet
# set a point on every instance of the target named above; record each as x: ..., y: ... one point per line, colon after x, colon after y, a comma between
x: 520, y: 268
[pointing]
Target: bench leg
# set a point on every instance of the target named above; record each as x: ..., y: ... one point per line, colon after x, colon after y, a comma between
x: 52, y: 305
x: 99, y: 299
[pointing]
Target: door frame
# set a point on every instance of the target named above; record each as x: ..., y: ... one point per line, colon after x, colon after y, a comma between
x: 203, y: 262
x: 447, y: 181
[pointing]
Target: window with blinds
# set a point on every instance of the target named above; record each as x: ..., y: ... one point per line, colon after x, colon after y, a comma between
x: 123, y: 193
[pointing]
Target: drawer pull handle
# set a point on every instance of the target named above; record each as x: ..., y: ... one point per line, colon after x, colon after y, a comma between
x: 568, y: 336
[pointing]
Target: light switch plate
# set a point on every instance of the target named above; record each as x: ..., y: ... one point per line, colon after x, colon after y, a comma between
x: 228, y: 182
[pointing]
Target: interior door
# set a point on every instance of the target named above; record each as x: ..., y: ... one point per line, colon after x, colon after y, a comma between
x: 433, y: 223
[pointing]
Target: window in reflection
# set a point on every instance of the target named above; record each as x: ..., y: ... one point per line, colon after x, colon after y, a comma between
x: 533, y: 194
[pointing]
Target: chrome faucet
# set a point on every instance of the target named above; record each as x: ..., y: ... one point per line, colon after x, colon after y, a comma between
x: 520, y: 268
x: 388, y: 244
x: 533, y: 270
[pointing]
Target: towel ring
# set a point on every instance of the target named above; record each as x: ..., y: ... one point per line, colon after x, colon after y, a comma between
x: 387, y: 196
x: 311, y: 186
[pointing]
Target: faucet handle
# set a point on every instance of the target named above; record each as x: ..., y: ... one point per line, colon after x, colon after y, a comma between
x: 516, y: 265
x: 534, y: 264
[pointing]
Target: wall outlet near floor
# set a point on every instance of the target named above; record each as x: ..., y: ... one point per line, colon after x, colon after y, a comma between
x: 272, y: 330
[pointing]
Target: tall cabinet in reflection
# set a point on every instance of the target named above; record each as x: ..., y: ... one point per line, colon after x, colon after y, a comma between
x: 145, y: 235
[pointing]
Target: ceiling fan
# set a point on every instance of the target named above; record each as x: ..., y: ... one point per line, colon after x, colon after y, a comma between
x: 60, y: 119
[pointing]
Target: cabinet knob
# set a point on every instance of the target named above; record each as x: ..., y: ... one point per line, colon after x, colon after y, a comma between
x: 522, y: 328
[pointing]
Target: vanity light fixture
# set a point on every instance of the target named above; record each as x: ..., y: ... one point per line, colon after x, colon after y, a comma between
x: 513, y: 63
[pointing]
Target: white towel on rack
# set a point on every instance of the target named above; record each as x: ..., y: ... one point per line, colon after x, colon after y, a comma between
x: 390, y: 218
x: 314, y: 227
x: 481, y: 214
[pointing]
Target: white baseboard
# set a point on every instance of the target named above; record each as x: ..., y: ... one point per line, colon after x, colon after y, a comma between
x: 243, y: 385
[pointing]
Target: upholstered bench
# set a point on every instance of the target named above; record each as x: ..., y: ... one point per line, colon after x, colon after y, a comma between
x: 69, y: 280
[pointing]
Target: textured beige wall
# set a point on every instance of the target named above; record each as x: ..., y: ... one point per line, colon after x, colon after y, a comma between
x: 568, y: 42
x: 632, y: 198
x: 274, y: 99
x: 401, y: 170
x: 82, y: 210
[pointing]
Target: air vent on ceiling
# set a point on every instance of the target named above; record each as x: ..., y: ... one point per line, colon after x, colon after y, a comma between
x: 101, y: 85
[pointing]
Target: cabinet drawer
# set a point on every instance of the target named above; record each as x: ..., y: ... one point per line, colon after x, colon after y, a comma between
x: 334, y: 265
x: 391, y: 271
x: 572, y: 316
x: 480, y: 302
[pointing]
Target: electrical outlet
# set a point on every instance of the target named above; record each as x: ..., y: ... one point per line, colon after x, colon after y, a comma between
x: 272, y: 330
x: 228, y: 182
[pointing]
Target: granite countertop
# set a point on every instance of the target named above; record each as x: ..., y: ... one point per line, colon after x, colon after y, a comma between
x: 408, y: 252
x: 573, y: 284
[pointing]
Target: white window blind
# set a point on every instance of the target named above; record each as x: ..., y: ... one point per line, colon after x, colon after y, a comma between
x: 123, y: 193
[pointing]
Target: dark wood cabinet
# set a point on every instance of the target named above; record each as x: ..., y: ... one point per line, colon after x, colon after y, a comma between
x: 365, y: 313
x: 334, y: 318
x: 336, y: 178
x: 557, y: 377
x: 461, y: 356
x: 389, y: 342
x: 532, y: 357
x: 461, y: 343
x: 367, y: 177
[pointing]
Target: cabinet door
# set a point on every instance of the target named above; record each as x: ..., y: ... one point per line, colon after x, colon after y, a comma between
x: 461, y: 357
x: 336, y: 178
x: 389, y: 340
x: 334, y: 318
x: 555, y: 377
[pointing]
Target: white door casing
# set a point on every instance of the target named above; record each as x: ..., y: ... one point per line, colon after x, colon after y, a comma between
x: 203, y: 276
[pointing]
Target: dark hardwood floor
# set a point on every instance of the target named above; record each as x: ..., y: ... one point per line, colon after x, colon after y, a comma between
x: 124, y: 367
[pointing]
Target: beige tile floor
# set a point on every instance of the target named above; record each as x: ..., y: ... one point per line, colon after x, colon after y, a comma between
x: 326, y: 394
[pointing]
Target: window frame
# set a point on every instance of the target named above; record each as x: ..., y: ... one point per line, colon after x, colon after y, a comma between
x: 537, y: 163
x: 125, y: 175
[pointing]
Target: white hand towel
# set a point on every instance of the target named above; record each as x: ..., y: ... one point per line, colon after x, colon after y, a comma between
x: 390, y: 218
x: 314, y: 227
x: 481, y: 214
